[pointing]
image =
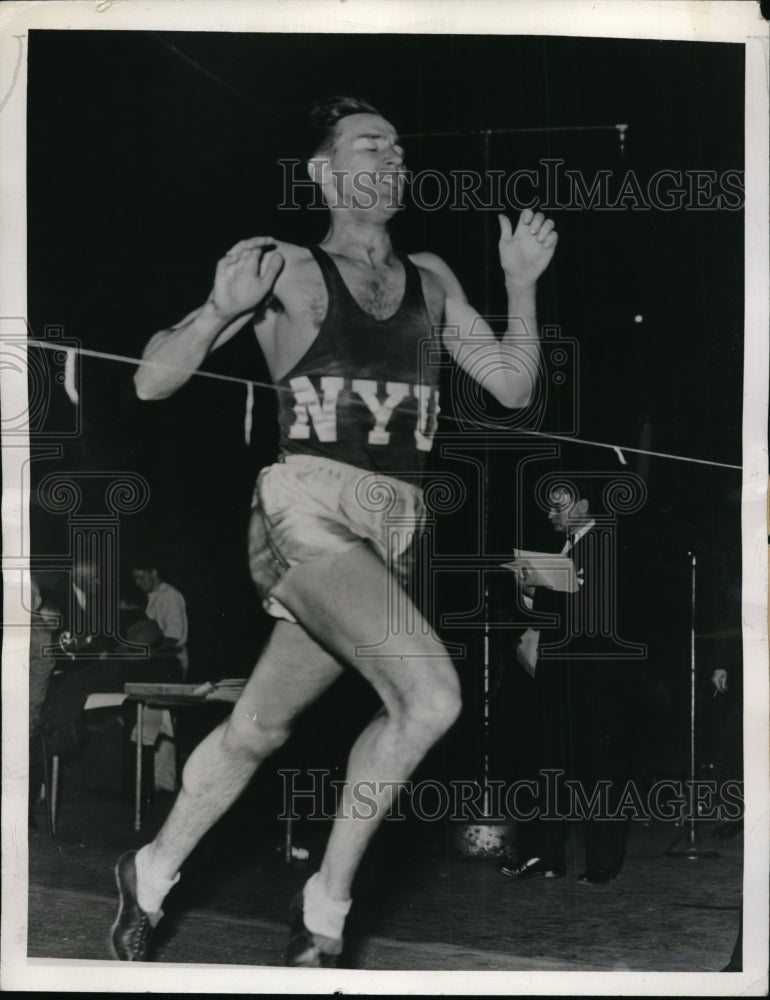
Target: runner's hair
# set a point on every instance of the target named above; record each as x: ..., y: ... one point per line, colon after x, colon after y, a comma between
x: 327, y: 113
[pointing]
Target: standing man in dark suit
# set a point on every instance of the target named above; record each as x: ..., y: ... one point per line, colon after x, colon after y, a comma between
x: 582, y: 691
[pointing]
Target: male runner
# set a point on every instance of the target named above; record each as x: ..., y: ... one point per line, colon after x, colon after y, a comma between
x: 343, y: 328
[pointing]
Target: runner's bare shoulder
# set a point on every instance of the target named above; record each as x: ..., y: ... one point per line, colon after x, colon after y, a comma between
x: 281, y: 294
x: 299, y: 266
x: 294, y: 311
x: 300, y: 287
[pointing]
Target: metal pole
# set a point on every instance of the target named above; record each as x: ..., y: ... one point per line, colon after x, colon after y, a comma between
x: 693, y: 570
x: 138, y: 775
x: 487, y: 215
x: 486, y: 733
x: 54, y: 792
x: 485, y: 529
x: 691, y: 851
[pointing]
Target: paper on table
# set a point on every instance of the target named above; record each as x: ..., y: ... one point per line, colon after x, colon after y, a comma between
x: 103, y: 701
x: 545, y: 569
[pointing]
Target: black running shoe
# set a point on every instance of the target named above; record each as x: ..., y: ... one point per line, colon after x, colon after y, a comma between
x: 306, y: 949
x: 531, y: 868
x: 130, y: 934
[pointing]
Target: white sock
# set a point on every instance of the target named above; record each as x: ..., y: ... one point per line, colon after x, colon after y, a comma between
x: 323, y: 915
x: 151, y: 889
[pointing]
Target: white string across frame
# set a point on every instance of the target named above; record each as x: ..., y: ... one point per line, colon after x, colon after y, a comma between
x: 252, y: 384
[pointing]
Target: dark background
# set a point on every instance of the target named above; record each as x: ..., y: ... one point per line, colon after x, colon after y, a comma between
x: 150, y: 154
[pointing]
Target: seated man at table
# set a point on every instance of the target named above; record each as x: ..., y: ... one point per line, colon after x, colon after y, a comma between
x: 99, y: 663
x: 165, y: 605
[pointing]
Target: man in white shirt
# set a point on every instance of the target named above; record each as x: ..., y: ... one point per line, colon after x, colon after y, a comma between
x: 166, y: 606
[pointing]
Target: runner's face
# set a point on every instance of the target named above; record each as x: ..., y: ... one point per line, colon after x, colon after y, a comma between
x: 369, y: 163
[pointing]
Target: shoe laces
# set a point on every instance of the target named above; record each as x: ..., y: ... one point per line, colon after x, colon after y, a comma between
x: 140, y: 936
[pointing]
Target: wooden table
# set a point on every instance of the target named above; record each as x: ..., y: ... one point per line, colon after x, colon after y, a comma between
x: 170, y: 696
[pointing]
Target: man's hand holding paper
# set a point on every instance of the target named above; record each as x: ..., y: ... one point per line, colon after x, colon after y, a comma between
x: 544, y: 569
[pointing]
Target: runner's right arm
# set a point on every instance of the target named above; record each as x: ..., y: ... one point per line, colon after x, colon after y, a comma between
x: 245, y: 276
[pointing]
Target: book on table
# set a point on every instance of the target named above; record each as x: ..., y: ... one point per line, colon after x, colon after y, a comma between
x: 226, y: 689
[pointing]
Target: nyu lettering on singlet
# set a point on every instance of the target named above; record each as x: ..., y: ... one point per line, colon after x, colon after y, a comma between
x: 364, y: 393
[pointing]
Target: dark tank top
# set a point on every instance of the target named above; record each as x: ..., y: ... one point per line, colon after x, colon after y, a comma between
x: 365, y: 392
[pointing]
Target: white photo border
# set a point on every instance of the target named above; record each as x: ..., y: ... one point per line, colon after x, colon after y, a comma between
x: 691, y: 21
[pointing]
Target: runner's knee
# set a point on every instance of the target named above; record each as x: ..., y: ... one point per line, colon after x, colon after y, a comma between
x: 432, y: 708
x: 248, y: 733
x: 442, y: 713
